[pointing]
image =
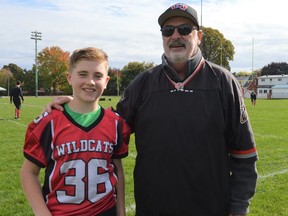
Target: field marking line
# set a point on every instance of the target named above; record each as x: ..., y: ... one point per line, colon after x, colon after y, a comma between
x: 133, y: 155
x: 130, y: 208
x: 262, y: 177
x: 16, y: 122
x: 24, y: 104
x: 32, y: 105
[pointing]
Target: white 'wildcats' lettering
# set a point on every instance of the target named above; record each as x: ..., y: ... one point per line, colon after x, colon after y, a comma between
x: 84, y: 146
x: 99, y: 146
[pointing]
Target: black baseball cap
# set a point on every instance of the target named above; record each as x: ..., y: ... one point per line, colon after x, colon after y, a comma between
x: 179, y: 10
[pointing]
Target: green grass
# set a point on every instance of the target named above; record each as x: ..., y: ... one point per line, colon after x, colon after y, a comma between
x: 269, y: 120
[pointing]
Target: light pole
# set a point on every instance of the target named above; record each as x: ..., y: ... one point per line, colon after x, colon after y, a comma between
x: 252, y: 54
x: 221, y: 54
x: 201, y: 13
x: 36, y: 36
x: 117, y: 81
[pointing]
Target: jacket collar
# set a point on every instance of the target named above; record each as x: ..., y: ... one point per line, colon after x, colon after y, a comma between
x: 192, y: 64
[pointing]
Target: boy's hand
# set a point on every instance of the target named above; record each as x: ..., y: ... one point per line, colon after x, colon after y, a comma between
x: 56, y: 103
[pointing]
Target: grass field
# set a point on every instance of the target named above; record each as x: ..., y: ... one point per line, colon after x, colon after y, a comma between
x: 269, y: 120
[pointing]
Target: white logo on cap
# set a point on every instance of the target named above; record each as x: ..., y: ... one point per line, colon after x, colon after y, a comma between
x: 179, y: 6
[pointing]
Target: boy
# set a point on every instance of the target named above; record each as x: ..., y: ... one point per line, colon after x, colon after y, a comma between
x: 16, y: 96
x: 81, y: 148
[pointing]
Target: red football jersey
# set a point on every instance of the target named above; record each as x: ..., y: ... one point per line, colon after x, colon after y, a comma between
x: 80, y: 177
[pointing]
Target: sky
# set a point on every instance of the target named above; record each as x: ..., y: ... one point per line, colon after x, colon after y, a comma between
x: 128, y: 29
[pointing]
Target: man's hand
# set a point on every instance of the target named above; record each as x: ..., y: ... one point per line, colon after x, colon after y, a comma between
x: 56, y: 103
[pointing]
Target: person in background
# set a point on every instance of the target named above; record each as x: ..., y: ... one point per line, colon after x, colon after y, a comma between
x: 80, y: 147
x: 196, y: 153
x: 253, y: 98
x: 16, y: 96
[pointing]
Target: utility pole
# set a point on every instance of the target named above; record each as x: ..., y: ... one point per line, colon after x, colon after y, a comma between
x: 201, y: 13
x: 252, y: 54
x: 117, y: 81
x: 221, y: 54
x: 36, y: 36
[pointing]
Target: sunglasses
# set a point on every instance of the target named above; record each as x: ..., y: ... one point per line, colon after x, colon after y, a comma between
x: 183, y: 29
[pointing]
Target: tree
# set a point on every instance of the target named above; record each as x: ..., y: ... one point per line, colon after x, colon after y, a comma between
x: 131, y: 70
x: 242, y: 73
x: 216, y: 48
x: 275, y: 69
x: 5, y: 80
x: 53, y: 65
x: 18, y: 73
x: 113, y: 85
x: 29, y: 82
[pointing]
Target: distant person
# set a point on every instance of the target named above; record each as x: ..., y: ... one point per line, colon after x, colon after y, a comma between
x: 80, y: 148
x: 253, y: 98
x: 16, y: 96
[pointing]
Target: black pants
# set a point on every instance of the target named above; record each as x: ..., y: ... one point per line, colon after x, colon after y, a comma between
x: 110, y: 212
x: 17, y: 103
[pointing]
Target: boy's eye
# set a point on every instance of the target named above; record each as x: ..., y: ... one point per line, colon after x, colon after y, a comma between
x: 82, y: 74
x: 98, y: 76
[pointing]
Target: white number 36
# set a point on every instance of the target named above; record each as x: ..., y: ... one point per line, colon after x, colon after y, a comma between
x: 98, y: 184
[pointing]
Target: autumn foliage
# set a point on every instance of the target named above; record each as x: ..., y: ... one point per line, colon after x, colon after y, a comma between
x: 53, y: 65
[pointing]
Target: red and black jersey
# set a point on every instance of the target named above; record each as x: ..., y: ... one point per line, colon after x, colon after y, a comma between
x: 80, y: 176
x: 189, y: 135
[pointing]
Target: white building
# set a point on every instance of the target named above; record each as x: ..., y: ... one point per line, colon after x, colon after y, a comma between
x: 272, y: 86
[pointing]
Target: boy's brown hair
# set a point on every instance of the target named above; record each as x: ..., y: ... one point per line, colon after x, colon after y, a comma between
x: 90, y: 54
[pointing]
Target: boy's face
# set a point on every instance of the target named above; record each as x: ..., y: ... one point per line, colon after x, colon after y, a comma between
x: 88, y: 80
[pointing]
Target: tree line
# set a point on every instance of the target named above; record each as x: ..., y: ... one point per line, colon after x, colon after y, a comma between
x: 53, y: 64
x: 52, y: 68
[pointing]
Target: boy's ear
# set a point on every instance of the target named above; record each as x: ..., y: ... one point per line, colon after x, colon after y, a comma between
x: 68, y: 77
x: 107, y: 81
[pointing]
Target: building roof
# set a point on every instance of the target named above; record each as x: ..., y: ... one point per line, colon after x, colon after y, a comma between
x: 273, y: 76
x: 280, y: 87
x: 265, y: 86
x: 243, y: 77
x: 244, y: 80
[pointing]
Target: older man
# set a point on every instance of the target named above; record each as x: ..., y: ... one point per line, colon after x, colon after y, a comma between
x: 195, y: 148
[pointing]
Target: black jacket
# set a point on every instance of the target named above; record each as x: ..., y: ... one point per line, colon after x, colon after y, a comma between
x: 195, y: 147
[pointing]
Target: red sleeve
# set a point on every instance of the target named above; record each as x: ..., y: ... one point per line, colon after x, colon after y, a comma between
x: 123, y: 131
x: 36, y: 149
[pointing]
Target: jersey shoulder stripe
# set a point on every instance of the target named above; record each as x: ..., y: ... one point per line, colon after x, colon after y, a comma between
x: 243, y: 153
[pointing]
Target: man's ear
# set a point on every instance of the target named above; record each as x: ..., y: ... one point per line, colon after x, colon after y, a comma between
x: 200, y: 35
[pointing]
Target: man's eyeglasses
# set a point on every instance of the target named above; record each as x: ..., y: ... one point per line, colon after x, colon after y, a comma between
x: 183, y: 29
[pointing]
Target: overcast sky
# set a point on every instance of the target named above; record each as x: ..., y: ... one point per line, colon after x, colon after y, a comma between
x: 128, y: 30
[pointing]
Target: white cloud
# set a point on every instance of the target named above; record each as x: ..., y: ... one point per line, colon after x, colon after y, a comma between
x: 242, y: 20
x: 128, y: 30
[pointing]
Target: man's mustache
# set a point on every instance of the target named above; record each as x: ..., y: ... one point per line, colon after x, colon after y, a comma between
x: 176, y: 43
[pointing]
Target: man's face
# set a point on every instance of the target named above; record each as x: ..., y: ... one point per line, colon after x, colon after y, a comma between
x: 179, y: 48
